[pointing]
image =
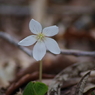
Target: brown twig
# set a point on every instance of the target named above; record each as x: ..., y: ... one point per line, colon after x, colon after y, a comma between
x: 13, y: 41
x: 29, y: 52
x: 78, y: 53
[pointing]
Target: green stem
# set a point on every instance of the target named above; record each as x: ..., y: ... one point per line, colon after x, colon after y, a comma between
x: 40, y: 71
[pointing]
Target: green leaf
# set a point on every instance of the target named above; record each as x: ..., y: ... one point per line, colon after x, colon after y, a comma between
x: 35, y: 88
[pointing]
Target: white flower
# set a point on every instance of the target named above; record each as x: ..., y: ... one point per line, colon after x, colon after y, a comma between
x: 41, y: 37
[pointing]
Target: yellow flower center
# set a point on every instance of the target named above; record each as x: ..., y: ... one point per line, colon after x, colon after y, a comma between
x: 40, y: 36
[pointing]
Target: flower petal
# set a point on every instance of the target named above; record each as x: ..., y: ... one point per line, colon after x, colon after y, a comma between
x: 50, y: 31
x: 28, y: 40
x: 35, y: 27
x: 39, y: 50
x: 52, y: 45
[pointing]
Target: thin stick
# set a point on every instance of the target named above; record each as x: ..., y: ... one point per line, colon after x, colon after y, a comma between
x: 29, y: 52
x: 40, y: 71
x: 13, y: 41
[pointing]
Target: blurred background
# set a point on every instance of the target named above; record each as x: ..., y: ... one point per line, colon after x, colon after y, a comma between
x: 76, y: 22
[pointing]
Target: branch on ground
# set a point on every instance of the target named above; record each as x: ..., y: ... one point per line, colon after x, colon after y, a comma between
x: 13, y: 41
